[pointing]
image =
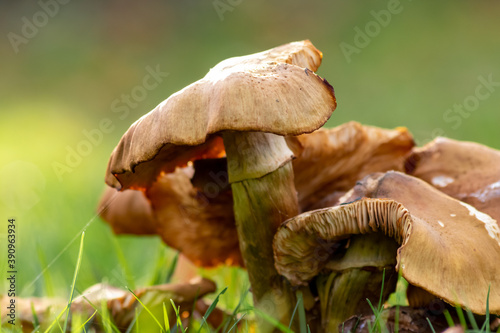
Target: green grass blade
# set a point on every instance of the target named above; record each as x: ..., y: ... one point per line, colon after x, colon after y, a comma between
x: 82, y: 327
x: 448, y: 318
x: 102, y: 314
x: 236, y: 323
x: 302, y: 313
x: 380, y: 304
x: 144, y: 307
x: 177, y: 315
x: 36, y: 322
x: 73, y: 284
x: 136, y: 320
x: 56, y: 320
x: 235, y: 311
x: 165, y: 318
x: 461, y: 317
x: 430, y: 325
x: 273, y: 321
x: 472, y: 320
x: 294, y: 311
x: 123, y: 263
x: 376, y: 313
x: 210, y: 309
x: 486, y: 324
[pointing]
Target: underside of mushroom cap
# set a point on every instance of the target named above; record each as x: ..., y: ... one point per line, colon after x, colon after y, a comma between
x: 467, y: 171
x: 330, y: 161
x: 275, y: 91
x: 304, y: 244
x: 447, y: 247
x: 199, y: 224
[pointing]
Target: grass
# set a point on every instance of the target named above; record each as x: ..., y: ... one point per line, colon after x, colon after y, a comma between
x: 80, y: 324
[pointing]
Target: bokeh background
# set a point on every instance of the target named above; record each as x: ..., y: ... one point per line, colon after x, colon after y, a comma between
x: 68, y: 65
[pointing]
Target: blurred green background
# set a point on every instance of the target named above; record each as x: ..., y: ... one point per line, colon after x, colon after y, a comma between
x: 392, y: 63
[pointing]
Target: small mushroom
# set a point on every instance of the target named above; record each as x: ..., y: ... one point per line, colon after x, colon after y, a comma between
x: 467, y: 171
x: 447, y: 247
x: 252, y: 102
x: 120, y: 304
x: 330, y: 161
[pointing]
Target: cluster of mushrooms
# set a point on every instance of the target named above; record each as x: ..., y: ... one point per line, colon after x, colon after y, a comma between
x: 234, y: 169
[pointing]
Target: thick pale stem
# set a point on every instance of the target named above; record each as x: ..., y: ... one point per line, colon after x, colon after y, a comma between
x: 264, y: 196
x: 357, y: 277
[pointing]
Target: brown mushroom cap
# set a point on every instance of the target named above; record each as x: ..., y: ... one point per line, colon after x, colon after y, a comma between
x: 330, y: 161
x: 200, y: 225
x: 467, y: 171
x: 274, y: 91
x: 128, y: 212
x: 191, y: 209
x: 447, y: 247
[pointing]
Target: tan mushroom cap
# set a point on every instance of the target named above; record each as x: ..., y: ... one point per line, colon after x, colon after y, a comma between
x: 274, y: 91
x: 330, y: 161
x: 447, y: 247
x: 127, y: 212
x: 200, y: 225
x: 467, y: 171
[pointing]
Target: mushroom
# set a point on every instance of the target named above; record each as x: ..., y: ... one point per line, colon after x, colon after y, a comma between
x: 447, y: 247
x: 467, y: 171
x: 192, y: 207
x: 350, y: 278
x: 242, y: 108
x: 120, y: 304
x: 330, y: 161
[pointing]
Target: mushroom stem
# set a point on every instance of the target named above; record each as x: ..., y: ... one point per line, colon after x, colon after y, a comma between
x: 261, y: 176
x: 357, y: 277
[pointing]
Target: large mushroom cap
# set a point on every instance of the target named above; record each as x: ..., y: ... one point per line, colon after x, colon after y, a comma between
x: 467, y: 171
x: 330, y: 161
x: 274, y: 91
x: 447, y: 247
